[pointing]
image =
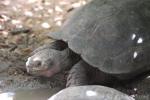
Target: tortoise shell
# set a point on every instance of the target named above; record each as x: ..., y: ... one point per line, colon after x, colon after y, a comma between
x: 111, y: 35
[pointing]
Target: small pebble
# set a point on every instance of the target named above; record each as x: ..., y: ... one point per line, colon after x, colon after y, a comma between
x: 58, y: 23
x: 58, y: 9
x: 83, y: 2
x: 5, y: 18
x: 40, y: 7
x: 45, y: 25
x: 1, y: 27
x: 50, y: 11
x: 36, y: 9
x: 63, y: 3
x: 28, y: 13
x: 5, y: 33
x: 19, y: 26
x: 6, y: 2
x: 47, y: 3
x: 15, y: 21
x: 58, y: 18
x: 76, y: 5
x: 14, y: 8
x: 31, y: 1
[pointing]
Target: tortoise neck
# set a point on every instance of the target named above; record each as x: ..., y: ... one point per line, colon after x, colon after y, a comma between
x: 69, y: 59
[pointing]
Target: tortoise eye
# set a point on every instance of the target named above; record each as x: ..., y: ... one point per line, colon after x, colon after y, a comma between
x: 49, y: 62
x: 38, y: 63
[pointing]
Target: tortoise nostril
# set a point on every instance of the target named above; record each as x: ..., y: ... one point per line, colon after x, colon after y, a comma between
x: 38, y: 63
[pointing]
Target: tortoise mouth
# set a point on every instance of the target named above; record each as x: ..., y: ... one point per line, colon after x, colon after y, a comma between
x: 36, y: 70
x: 43, y: 71
x: 50, y: 72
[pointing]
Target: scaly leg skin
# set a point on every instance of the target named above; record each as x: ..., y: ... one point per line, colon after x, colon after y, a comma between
x: 77, y: 75
x: 84, y: 74
x: 99, y: 78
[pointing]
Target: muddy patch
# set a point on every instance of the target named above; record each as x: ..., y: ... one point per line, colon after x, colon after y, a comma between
x: 34, y: 94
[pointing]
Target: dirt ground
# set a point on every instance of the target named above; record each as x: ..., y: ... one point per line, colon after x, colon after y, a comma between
x: 23, y: 27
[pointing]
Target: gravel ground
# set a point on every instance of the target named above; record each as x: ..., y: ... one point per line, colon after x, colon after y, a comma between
x: 23, y: 24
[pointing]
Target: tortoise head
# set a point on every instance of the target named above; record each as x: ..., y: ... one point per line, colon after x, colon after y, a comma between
x: 43, y: 63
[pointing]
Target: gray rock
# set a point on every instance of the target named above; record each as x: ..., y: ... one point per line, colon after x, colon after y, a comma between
x: 90, y: 93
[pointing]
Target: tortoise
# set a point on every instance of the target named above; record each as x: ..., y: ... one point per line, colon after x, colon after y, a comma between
x: 101, y: 41
x: 90, y: 92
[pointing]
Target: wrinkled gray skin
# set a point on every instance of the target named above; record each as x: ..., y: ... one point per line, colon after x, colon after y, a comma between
x: 90, y: 93
x: 51, y: 59
x: 102, y: 41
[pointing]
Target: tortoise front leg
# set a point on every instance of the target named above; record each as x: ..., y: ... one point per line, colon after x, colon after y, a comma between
x: 84, y: 74
x: 77, y: 75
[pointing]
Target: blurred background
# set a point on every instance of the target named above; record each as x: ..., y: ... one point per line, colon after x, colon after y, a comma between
x: 25, y: 22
